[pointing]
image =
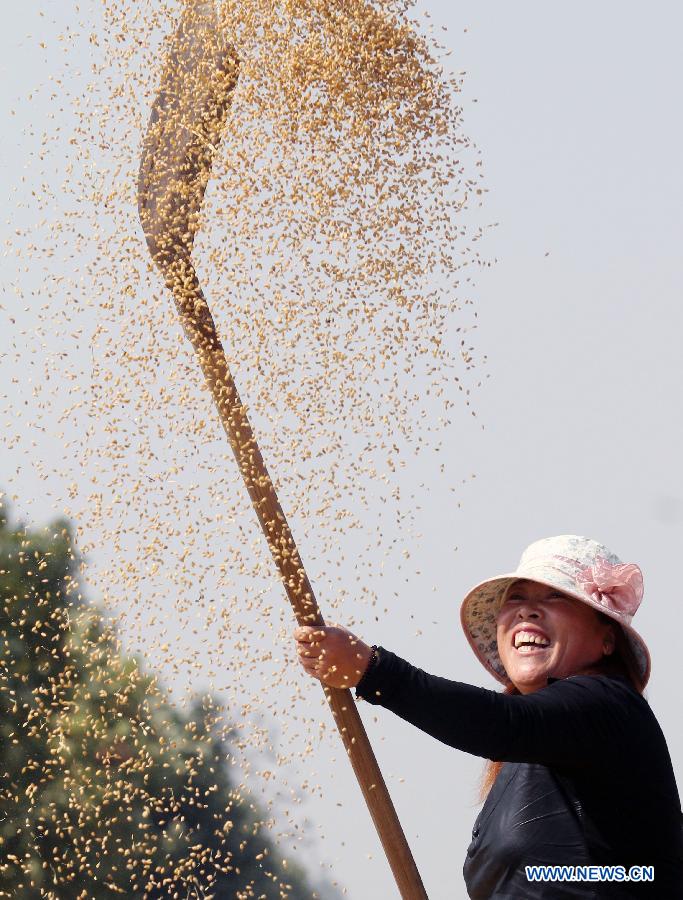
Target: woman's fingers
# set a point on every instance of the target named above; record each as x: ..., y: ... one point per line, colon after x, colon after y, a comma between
x: 309, y: 633
x: 332, y: 654
x: 312, y: 667
x: 308, y: 647
x: 309, y: 668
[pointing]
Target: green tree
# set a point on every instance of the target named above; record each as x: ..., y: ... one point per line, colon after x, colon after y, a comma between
x: 105, y: 788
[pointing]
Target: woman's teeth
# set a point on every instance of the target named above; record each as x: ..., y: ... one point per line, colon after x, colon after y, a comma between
x: 528, y: 641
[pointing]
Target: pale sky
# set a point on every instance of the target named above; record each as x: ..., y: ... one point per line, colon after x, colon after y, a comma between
x: 577, y: 114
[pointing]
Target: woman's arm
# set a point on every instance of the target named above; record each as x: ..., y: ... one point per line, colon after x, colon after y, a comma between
x: 574, y: 721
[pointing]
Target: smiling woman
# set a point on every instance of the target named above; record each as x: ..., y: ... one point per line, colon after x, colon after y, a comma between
x: 541, y: 631
x: 577, y: 638
x: 579, y: 772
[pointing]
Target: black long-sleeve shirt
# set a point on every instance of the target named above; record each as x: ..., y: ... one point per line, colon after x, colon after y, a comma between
x: 587, y: 779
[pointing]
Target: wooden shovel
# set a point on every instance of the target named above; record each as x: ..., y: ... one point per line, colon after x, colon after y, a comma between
x: 199, y: 75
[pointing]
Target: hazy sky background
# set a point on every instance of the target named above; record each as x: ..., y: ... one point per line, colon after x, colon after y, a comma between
x: 577, y: 114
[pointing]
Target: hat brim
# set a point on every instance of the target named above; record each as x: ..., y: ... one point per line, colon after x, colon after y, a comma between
x: 478, y: 618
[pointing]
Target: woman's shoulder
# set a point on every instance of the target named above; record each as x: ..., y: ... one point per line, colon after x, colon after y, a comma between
x: 613, y: 696
x: 597, y: 690
x: 599, y: 682
x: 611, y: 709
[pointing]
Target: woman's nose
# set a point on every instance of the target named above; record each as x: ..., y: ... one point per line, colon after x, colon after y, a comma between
x: 528, y: 611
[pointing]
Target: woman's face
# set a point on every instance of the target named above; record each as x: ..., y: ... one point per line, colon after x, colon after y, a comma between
x: 542, y: 632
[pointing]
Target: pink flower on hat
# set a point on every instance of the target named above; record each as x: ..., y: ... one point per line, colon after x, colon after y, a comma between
x: 617, y: 587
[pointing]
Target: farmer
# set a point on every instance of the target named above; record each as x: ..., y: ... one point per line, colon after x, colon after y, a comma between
x: 578, y: 770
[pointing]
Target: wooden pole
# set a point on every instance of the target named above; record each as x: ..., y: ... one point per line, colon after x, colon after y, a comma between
x: 187, y: 120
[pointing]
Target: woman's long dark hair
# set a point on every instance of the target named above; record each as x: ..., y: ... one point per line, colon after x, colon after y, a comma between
x: 620, y: 663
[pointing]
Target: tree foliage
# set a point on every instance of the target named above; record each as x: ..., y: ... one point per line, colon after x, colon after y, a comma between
x: 105, y: 788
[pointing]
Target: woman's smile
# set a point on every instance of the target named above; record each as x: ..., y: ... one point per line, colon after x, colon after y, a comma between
x: 529, y: 639
x: 542, y: 632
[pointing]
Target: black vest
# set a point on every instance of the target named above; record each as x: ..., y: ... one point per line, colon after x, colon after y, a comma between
x: 529, y: 818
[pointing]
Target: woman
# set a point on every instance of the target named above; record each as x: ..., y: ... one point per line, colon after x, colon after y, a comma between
x: 579, y: 771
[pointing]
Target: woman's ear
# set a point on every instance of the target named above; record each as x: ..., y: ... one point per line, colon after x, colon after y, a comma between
x: 609, y: 641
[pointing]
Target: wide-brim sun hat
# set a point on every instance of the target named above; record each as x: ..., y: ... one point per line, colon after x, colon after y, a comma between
x: 575, y: 565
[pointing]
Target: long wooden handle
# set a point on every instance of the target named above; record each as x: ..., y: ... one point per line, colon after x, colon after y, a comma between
x: 200, y: 329
x: 186, y: 124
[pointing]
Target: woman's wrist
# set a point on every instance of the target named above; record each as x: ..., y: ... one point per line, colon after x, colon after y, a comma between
x: 372, y: 661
